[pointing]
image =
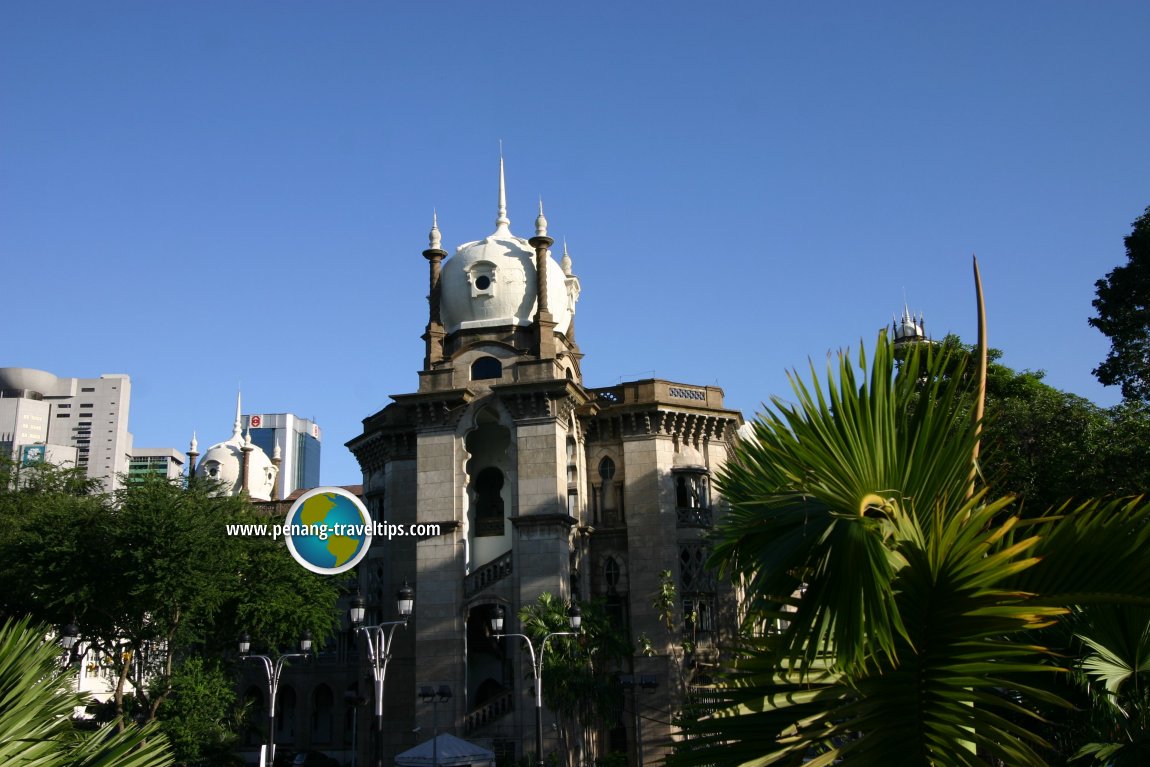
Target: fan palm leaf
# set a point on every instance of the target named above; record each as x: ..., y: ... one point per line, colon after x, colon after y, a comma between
x: 36, y: 706
x: 1117, y: 666
x: 910, y: 603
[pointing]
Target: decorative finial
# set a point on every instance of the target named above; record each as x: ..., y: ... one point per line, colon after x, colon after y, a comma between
x: 276, y: 454
x: 237, y: 428
x: 503, y: 222
x: 194, y: 447
x: 433, y: 238
x: 248, y: 439
x: 541, y: 222
x: 566, y: 262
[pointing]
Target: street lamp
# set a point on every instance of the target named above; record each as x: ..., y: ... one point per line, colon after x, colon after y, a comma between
x: 68, y: 636
x: 379, y: 642
x: 575, y: 619
x: 645, y: 682
x: 273, y: 670
x: 442, y: 695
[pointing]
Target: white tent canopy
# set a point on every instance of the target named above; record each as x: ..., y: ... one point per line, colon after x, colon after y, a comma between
x: 446, y: 750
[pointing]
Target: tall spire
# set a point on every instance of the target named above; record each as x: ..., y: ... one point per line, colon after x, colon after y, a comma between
x: 502, y: 222
x: 237, y: 429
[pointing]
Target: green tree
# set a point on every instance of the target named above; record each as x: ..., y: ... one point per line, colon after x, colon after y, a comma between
x: 580, y: 675
x: 36, y: 705
x: 912, y: 602
x: 1047, y: 446
x: 151, y: 577
x: 1123, y: 306
x: 199, y: 714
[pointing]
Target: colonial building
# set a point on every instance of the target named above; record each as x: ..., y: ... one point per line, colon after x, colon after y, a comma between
x: 538, y: 484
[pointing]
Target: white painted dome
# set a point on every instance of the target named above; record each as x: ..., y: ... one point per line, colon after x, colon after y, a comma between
x: 491, y: 282
x: 908, y: 328
x: 224, y: 462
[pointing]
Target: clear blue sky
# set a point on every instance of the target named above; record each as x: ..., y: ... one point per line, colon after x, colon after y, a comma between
x: 202, y: 194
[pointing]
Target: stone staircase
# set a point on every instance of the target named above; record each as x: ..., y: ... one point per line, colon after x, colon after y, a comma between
x: 482, y: 717
x: 487, y: 575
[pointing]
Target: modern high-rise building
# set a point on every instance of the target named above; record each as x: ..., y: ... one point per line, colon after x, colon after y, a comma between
x: 86, y: 415
x: 166, y: 462
x: 298, y: 441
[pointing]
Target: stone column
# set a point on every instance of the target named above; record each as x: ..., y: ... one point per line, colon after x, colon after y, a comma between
x: 544, y: 324
x: 434, y: 334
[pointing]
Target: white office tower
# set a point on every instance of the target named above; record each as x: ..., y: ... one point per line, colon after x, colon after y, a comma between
x: 80, y: 421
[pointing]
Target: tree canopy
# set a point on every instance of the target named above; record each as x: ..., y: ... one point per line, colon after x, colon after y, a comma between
x: 1047, y: 446
x: 153, y: 582
x: 1123, y: 306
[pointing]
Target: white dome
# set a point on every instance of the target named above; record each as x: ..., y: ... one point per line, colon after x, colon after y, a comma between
x: 224, y: 463
x: 491, y: 282
x: 908, y: 327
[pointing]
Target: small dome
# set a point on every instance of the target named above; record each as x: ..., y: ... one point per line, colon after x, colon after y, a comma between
x: 491, y: 282
x: 908, y: 328
x: 224, y: 462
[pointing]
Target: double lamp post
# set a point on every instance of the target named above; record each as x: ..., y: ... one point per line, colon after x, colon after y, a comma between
x: 575, y: 619
x: 379, y: 643
x: 273, y: 670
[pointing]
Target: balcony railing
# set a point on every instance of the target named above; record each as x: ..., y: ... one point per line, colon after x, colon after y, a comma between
x: 496, y: 708
x: 693, y: 517
x: 488, y: 574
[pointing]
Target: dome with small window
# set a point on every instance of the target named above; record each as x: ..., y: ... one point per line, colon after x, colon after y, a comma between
x: 492, y: 282
x: 223, y: 462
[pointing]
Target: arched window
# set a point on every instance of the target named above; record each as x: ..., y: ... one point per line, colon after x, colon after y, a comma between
x: 611, y: 574
x: 489, y: 502
x: 607, y: 469
x: 323, y: 705
x: 609, y: 506
x: 572, y: 462
x: 485, y: 368
x: 692, y: 497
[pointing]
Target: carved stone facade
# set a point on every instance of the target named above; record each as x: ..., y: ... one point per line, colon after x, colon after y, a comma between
x: 539, y: 484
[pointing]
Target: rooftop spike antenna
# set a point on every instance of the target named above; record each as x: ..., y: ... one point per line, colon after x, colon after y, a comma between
x: 502, y: 221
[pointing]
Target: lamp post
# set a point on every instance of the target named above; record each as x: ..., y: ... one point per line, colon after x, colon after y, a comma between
x: 379, y: 641
x: 273, y: 670
x: 575, y: 618
x: 68, y: 636
x: 634, y: 684
x: 442, y: 695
